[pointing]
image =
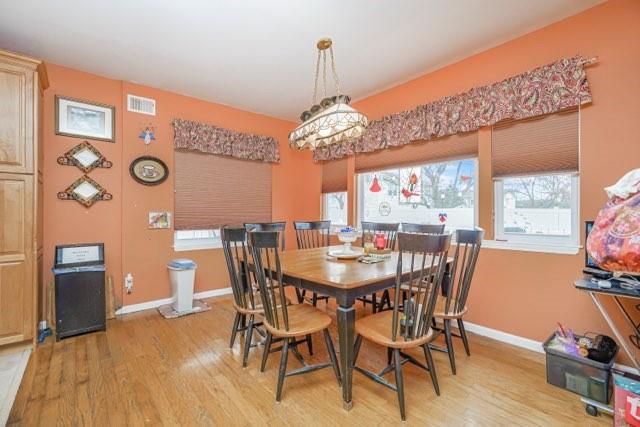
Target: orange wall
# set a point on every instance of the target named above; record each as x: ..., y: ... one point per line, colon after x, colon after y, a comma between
x: 525, y: 293
x: 122, y: 223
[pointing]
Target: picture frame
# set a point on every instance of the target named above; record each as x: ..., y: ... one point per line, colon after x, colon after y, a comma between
x: 85, y: 157
x: 84, y: 119
x: 85, y: 191
x: 149, y: 170
x: 159, y: 220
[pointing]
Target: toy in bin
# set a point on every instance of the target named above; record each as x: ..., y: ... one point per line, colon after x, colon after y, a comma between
x: 581, y: 364
x: 627, y: 399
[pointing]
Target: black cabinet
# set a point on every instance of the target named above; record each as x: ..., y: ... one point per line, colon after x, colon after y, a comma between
x: 79, y: 289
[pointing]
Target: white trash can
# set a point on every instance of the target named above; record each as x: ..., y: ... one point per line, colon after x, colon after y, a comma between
x: 182, y: 273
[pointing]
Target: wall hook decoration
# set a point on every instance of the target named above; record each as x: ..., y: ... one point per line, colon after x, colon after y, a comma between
x: 148, y: 134
x: 85, y: 191
x: 85, y: 157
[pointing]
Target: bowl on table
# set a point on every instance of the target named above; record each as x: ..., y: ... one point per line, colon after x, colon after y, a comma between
x: 347, y: 236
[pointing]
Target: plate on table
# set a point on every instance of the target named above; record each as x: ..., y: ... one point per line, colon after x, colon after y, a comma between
x: 341, y: 254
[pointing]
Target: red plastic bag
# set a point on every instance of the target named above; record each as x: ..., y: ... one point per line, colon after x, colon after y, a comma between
x: 614, y: 241
x: 627, y: 400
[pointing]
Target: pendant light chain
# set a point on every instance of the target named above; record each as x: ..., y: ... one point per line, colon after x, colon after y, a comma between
x: 324, y: 74
x: 335, y: 73
x: 315, y: 82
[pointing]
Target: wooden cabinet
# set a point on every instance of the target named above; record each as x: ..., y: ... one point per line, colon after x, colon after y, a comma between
x: 22, y: 81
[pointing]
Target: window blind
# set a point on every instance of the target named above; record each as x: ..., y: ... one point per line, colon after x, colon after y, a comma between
x: 211, y: 191
x: 451, y: 147
x: 334, y: 176
x: 543, y: 144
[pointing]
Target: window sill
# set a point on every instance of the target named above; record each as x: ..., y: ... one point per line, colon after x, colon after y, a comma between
x: 532, y: 247
x: 196, y: 246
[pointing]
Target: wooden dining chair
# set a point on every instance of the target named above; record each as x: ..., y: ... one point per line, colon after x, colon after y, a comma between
x: 390, y: 231
x: 246, y: 300
x: 426, y: 257
x: 280, y: 320
x: 408, y: 227
x: 269, y: 226
x: 309, y: 235
x: 453, y: 304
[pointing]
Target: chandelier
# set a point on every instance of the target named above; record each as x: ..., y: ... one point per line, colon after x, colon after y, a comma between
x: 331, y: 120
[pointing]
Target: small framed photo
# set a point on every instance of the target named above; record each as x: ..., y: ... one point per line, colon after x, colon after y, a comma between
x: 159, y: 220
x: 84, y: 119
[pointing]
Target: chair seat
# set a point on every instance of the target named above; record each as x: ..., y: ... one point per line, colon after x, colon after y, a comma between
x: 258, y: 303
x: 303, y: 319
x: 377, y: 328
x: 439, y: 311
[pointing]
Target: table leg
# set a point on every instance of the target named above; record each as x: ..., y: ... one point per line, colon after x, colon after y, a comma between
x: 346, y: 330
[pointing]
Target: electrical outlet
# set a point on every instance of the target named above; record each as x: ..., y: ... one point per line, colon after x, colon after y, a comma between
x: 128, y: 283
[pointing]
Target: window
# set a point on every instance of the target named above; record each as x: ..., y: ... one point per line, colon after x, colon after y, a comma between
x: 535, y: 165
x: 210, y: 193
x: 443, y: 192
x: 188, y: 240
x: 334, y: 208
x: 540, y: 209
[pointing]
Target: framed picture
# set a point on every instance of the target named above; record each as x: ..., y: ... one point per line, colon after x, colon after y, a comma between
x: 159, y: 220
x: 85, y: 157
x: 148, y: 170
x: 85, y: 191
x: 84, y: 119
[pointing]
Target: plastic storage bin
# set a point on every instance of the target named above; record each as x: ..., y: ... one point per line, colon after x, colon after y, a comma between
x: 580, y: 375
x: 182, y: 273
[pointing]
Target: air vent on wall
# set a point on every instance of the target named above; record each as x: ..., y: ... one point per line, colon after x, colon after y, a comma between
x: 141, y: 105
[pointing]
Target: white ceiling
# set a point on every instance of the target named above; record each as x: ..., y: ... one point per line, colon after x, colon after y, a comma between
x: 259, y: 55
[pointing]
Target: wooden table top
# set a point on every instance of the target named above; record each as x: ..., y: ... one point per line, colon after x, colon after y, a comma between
x: 314, y: 265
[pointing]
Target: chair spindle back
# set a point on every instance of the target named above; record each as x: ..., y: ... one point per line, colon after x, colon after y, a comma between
x: 389, y: 230
x: 426, y: 255
x: 314, y: 234
x: 236, y: 253
x: 266, y: 258
x: 408, y: 227
x: 268, y: 226
x: 468, y: 243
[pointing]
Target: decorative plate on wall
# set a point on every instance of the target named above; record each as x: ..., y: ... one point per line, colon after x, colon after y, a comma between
x: 86, y: 157
x: 149, y: 170
x: 85, y: 191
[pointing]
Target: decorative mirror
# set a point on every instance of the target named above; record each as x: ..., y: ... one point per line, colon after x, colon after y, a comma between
x: 85, y: 191
x: 149, y: 170
x: 86, y: 157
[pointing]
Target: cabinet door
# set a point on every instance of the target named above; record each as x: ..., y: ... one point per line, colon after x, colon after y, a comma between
x: 16, y: 118
x: 17, y: 321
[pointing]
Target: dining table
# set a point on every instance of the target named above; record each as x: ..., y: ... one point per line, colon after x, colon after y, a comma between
x: 345, y: 280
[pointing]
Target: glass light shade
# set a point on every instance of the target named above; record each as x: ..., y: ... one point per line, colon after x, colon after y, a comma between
x: 337, y: 123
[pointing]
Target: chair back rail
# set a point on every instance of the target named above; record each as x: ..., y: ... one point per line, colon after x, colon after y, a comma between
x: 313, y: 234
x: 266, y: 257
x: 468, y: 243
x: 388, y: 229
x: 408, y: 227
x: 427, y: 255
x: 236, y: 253
x: 269, y: 226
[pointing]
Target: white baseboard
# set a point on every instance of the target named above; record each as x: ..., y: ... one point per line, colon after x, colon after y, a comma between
x: 126, y: 309
x: 505, y: 337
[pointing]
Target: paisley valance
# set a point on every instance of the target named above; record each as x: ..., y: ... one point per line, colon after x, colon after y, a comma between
x: 207, y: 138
x: 547, y: 89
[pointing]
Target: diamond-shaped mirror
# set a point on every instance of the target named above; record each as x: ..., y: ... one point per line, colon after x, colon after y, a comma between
x: 85, y: 156
x: 85, y: 191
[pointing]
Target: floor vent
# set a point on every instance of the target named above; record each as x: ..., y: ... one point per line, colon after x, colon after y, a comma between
x: 141, y: 105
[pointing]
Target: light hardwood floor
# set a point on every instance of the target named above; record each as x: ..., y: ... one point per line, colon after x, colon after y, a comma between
x: 149, y: 370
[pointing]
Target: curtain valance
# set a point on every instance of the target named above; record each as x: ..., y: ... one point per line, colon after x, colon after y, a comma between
x: 207, y: 138
x: 547, y: 89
